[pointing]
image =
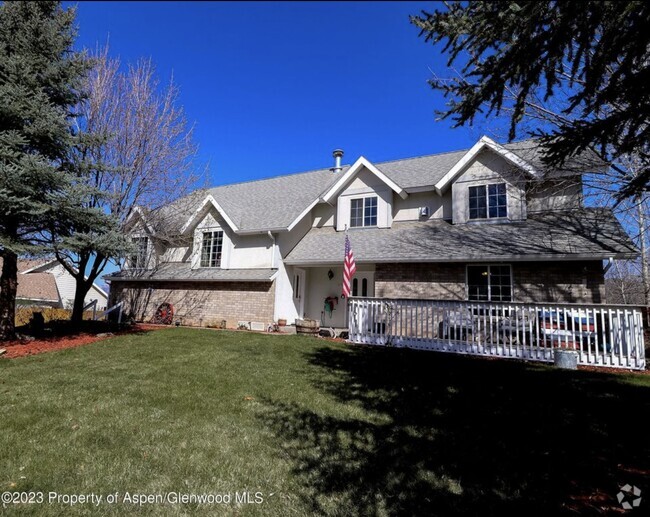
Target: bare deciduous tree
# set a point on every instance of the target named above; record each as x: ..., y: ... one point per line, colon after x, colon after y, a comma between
x: 139, y: 152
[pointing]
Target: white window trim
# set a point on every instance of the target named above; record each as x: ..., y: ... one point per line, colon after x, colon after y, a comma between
x: 364, y: 197
x: 489, y: 264
x: 487, y: 202
x: 147, y: 252
x: 202, y: 232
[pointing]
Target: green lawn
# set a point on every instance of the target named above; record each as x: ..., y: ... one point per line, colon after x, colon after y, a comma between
x: 326, y: 428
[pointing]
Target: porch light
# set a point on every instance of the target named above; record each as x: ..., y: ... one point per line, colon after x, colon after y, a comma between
x: 330, y: 274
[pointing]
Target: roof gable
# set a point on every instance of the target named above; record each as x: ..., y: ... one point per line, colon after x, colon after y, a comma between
x: 278, y: 203
x: 138, y: 215
x: 359, y: 165
x: 484, y: 143
x: 200, y: 212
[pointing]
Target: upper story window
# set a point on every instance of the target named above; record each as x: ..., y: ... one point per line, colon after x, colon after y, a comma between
x: 139, y: 259
x: 488, y: 201
x: 489, y: 283
x: 211, y: 249
x: 363, y: 212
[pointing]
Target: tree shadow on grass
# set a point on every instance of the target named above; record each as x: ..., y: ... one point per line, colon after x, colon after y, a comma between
x: 434, y: 434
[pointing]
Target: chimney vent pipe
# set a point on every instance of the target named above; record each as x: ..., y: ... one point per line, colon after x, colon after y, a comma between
x: 338, y: 154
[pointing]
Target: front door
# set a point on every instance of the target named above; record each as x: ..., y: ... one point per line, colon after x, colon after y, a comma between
x: 363, y: 284
x: 299, y: 291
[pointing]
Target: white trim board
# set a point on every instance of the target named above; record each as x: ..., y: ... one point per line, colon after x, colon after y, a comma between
x: 464, y: 162
x: 209, y: 200
x: 353, y: 171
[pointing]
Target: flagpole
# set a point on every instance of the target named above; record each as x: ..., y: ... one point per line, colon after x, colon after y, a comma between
x: 346, y: 316
x: 349, y: 269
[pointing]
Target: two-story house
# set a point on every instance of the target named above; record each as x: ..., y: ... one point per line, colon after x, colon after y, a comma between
x: 489, y: 223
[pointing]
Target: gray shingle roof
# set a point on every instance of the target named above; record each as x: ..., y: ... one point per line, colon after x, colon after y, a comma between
x: 586, y: 233
x: 274, y: 203
x: 421, y: 171
x: 181, y: 271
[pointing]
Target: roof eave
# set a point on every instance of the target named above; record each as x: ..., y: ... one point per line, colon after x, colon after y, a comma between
x: 498, y: 258
x: 170, y: 279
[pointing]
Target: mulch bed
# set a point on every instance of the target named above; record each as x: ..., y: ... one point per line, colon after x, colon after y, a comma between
x: 20, y: 348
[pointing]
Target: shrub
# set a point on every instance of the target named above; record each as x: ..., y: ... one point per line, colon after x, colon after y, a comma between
x: 24, y: 314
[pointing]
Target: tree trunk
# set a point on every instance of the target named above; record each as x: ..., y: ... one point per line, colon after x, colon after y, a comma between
x: 645, y: 274
x: 80, y: 292
x: 8, y: 288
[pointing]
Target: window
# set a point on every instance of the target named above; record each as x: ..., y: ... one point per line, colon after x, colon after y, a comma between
x: 364, y: 286
x: 363, y: 212
x: 211, y: 249
x: 488, y: 201
x: 139, y: 258
x: 489, y: 283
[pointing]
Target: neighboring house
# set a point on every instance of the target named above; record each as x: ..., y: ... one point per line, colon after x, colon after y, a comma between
x: 46, y: 283
x: 488, y: 223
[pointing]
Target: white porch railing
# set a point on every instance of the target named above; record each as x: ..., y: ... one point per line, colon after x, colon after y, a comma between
x: 602, y: 335
x: 92, y: 304
x: 116, y: 307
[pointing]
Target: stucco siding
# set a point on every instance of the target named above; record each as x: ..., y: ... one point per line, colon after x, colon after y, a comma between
x: 176, y: 254
x: 323, y: 215
x: 285, y: 307
x: 562, y: 194
x: 365, y: 184
x: 238, y: 251
x: 488, y: 167
x: 409, y: 209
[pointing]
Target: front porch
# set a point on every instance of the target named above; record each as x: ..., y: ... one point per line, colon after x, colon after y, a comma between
x: 601, y: 335
x: 317, y: 292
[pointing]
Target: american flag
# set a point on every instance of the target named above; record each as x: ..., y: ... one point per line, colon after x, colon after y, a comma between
x: 349, y: 268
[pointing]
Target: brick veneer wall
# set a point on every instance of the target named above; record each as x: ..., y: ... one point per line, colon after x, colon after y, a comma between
x: 434, y: 281
x: 199, y: 303
x: 569, y: 282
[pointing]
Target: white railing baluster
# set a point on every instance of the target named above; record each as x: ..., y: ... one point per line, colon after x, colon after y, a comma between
x: 602, y: 335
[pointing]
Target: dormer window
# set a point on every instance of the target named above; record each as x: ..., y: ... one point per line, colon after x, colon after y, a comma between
x: 363, y: 212
x: 139, y: 258
x: 488, y: 201
x: 211, y: 249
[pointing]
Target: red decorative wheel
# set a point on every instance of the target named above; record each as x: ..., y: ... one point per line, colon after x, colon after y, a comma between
x: 164, y: 314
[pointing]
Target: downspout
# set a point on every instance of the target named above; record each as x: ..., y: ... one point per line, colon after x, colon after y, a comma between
x: 610, y: 263
x: 272, y: 249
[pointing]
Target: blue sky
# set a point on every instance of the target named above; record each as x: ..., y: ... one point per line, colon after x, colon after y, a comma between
x: 274, y: 87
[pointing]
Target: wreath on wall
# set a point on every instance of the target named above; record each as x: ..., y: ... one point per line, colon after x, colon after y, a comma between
x: 330, y: 304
